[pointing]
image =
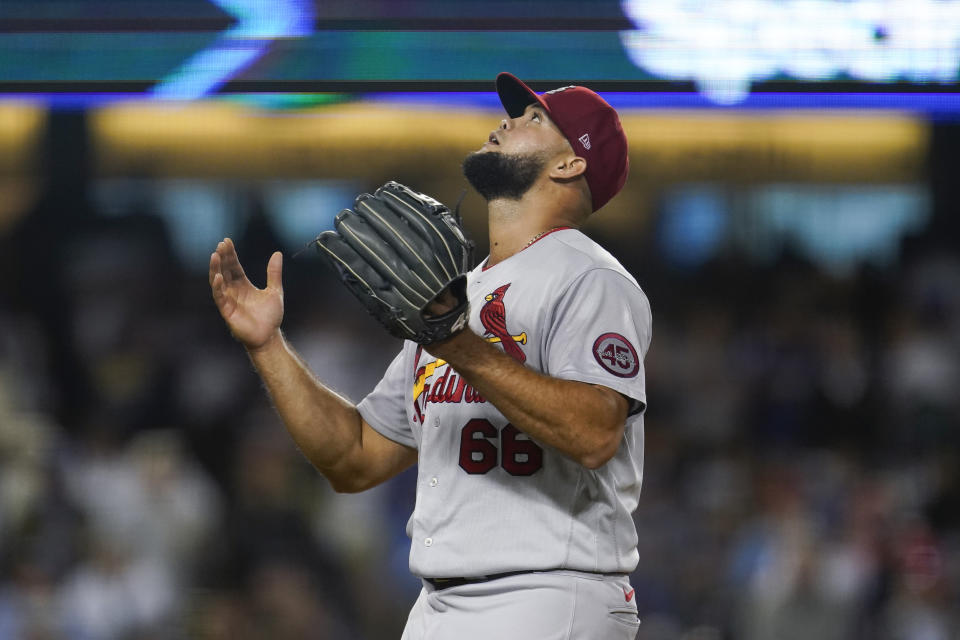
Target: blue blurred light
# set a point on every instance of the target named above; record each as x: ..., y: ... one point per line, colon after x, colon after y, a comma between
x: 694, y: 224
x: 895, y: 101
x: 301, y: 209
x: 726, y: 47
x: 259, y: 23
x: 198, y: 214
x: 838, y: 227
x: 938, y: 106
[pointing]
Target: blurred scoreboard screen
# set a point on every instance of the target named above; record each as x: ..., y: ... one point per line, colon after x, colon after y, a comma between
x: 902, y: 54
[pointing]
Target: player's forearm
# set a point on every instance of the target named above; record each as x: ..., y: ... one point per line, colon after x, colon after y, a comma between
x: 325, y: 426
x: 575, y: 418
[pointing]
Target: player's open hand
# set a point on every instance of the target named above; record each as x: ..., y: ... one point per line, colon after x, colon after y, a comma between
x: 253, y: 315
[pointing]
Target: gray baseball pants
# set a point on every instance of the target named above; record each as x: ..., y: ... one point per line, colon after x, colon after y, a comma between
x: 553, y: 605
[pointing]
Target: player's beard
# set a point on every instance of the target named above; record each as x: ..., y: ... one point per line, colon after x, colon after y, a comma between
x: 498, y: 175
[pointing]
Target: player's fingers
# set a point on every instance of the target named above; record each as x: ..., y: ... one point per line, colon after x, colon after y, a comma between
x: 275, y: 272
x: 225, y: 302
x: 231, y: 268
x: 216, y: 286
x: 214, y: 267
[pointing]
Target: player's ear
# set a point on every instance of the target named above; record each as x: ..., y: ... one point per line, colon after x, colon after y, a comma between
x: 568, y: 167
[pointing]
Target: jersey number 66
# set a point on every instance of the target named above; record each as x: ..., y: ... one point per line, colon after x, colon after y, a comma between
x: 478, y: 455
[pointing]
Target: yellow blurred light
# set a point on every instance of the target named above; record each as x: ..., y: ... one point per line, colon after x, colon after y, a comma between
x: 217, y: 139
x: 21, y: 125
x: 370, y: 143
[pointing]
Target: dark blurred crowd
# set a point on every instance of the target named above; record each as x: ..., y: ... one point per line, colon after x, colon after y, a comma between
x: 802, y: 476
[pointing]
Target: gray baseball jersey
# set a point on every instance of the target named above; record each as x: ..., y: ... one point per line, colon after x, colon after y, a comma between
x: 489, y: 498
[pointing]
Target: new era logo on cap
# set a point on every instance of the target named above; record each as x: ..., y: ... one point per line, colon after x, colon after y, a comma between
x: 590, y: 125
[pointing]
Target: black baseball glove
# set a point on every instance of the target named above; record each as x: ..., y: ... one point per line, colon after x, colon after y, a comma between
x: 397, y: 250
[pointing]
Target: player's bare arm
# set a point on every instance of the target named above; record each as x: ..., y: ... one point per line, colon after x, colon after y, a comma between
x: 583, y: 421
x: 326, y: 427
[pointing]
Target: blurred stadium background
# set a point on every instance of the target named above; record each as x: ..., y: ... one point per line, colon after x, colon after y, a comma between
x: 791, y: 213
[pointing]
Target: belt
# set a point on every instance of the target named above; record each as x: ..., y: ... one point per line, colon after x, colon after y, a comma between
x: 447, y: 583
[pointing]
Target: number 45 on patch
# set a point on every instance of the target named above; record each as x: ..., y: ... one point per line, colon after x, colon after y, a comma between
x: 616, y: 355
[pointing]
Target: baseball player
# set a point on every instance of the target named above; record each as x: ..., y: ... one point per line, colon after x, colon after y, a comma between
x: 519, y: 391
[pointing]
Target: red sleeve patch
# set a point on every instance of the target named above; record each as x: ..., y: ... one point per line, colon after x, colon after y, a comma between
x: 616, y: 355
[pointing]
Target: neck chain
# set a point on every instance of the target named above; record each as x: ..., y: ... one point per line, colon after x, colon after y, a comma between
x: 541, y: 234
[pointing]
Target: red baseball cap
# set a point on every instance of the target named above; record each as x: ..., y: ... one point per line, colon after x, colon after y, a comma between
x: 590, y: 125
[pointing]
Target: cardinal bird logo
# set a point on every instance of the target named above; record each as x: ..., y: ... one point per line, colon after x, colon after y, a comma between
x: 493, y: 317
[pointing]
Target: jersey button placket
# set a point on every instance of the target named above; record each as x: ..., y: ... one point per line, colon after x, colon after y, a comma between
x: 428, y: 542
